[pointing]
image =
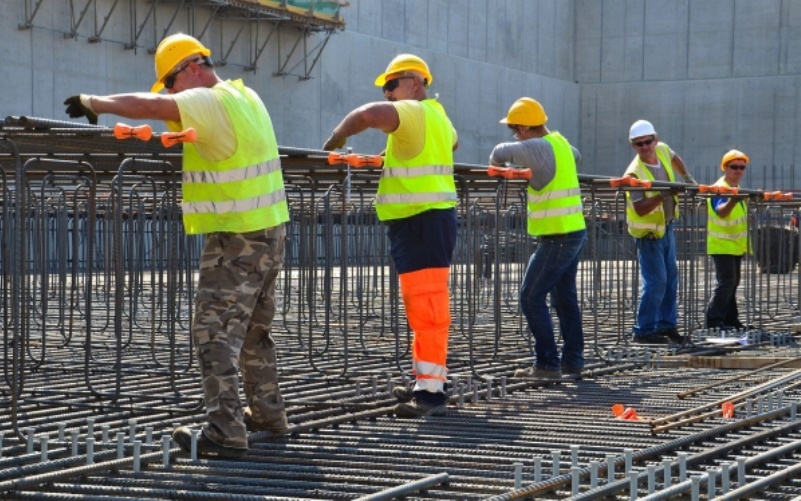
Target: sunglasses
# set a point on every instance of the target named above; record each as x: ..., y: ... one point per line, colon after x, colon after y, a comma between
x: 391, y: 85
x: 640, y: 144
x: 736, y: 167
x: 169, y: 82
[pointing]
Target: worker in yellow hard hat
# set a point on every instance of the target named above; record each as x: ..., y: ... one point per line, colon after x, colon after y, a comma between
x: 555, y: 216
x: 727, y: 242
x: 650, y: 216
x: 233, y: 192
x: 416, y: 199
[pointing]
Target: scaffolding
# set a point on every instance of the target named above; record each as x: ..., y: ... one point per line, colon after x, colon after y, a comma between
x: 306, y: 24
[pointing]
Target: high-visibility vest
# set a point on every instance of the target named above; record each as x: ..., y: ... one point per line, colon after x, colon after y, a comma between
x: 727, y: 235
x: 556, y: 208
x: 245, y: 192
x: 652, y: 223
x: 411, y: 186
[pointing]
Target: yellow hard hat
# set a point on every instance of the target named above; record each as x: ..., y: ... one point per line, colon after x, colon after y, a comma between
x: 171, y: 51
x: 732, y: 155
x: 525, y: 111
x: 405, y: 62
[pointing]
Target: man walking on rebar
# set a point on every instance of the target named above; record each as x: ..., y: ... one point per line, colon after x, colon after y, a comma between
x: 555, y: 215
x: 416, y: 198
x: 650, y: 216
x: 233, y: 192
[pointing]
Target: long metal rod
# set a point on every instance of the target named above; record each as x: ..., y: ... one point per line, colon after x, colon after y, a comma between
x: 406, y: 489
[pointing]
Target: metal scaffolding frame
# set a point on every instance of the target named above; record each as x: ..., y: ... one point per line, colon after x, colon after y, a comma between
x: 258, y: 22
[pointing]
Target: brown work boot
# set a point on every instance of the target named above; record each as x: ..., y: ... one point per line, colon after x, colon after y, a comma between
x: 205, y: 446
x: 268, y: 429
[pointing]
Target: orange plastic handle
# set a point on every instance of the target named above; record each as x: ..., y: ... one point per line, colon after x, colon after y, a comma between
x: 172, y: 138
x: 125, y: 131
x: 720, y: 190
x: 355, y: 160
x: 777, y: 195
x: 629, y: 181
x: 508, y: 172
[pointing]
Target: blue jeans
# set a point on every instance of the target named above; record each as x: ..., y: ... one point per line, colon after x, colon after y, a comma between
x: 657, y: 310
x: 552, y: 268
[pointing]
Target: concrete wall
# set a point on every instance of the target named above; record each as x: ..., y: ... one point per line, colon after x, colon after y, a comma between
x: 484, y: 54
x: 710, y: 74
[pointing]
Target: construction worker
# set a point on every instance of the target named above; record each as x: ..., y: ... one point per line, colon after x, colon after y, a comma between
x: 727, y: 242
x: 416, y: 198
x: 233, y: 193
x: 555, y: 216
x: 650, y: 215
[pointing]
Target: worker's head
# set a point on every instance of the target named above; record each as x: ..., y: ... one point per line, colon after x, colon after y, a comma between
x: 174, y: 55
x: 643, y: 139
x: 735, y: 158
x: 733, y: 165
x: 524, y: 115
x: 407, y: 77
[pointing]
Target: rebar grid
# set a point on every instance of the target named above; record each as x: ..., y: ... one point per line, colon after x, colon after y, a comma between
x: 98, y: 282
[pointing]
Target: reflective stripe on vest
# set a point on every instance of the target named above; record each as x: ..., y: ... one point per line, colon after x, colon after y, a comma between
x: 244, y: 192
x: 727, y: 236
x: 411, y: 186
x: 411, y: 172
x: 652, y: 223
x: 243, y: 205
x: 430, y: 370
x: 556, y: 209
x: 232, y: 175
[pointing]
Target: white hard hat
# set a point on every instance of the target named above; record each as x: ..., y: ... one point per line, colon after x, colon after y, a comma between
x: 641, y: 128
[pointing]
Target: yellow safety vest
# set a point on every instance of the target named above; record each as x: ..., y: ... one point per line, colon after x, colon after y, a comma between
x: 245, y: 192
x: 556, y: 209
x: 411, y: 186
x: 652, y: 223
x: 727, y: 235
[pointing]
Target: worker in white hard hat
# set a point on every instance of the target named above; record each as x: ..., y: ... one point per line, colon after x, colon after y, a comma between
x: 727, y: 242
x: 650, y: 215
x: 555, y: 215
x: 232, y: 192
x: 416, y: 199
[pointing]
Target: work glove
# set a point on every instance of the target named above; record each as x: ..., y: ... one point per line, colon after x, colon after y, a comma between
x: 334, y: 143
x: 81, y: 106
x: 689, y: 179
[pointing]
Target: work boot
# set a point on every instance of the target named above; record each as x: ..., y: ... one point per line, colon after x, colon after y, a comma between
x: 419, y: 408
x: 269, y: 430
x: 672, y: 334
x: 537, y: 373
x: 651, y: 339
x: 403, y: 394
x: 205, y: 446
x: 574, y: 372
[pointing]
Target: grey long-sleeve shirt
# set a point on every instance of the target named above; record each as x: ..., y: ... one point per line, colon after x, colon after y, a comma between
x: 535, y: 154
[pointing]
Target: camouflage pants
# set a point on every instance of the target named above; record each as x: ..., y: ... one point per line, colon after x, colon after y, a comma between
x: 234, y: 311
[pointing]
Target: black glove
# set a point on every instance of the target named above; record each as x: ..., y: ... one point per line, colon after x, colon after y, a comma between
x: 78, y: 107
